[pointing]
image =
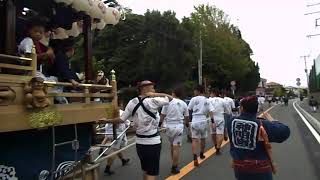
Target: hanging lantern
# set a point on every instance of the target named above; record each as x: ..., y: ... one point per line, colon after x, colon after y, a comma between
x: 101, y: 25
x: 103, y: 9
x: 83, y: 5
x: 93, y: 25
x: 59, y: 33
x: 96, y: 12
x: 66, y: 2
x: 112, y: 16
x: 75, y: 30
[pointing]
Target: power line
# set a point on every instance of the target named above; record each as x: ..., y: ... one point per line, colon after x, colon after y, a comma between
x: 316, y: 12
x: 312, y: 35
x: 315, y: 4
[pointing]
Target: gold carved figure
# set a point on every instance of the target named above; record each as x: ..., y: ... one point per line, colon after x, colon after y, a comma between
x: 36, y: 93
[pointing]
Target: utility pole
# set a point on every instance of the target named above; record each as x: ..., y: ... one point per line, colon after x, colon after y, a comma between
x: 200, y: 60
x: 306, y: 70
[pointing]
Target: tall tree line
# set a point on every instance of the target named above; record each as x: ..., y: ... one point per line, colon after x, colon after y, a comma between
x: 159, y: 47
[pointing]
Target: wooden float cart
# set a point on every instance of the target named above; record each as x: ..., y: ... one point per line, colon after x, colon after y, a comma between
x: 27, y: 107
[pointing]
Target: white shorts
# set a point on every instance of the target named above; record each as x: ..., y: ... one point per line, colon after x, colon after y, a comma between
x: 121, y: 143
x: 175, y: 134
x: 217, y: 127
x: 199, y: 130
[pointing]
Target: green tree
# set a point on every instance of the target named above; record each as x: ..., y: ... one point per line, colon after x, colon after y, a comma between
x: 159, y: 47
x: 279, y: 91
x: 226, y: 56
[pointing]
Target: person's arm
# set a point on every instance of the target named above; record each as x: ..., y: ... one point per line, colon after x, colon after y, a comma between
x: 116, y: 120
x: 232, y: 104
x: 74, y: 82
x: 190, y: 109
x: 211, y: 116
x: 158, y: 100
x: 163, y: 114
x: 126, y: 114
x: 186, y: 115
x: 186, y: 121
x: 277, y: 131
x: 211, y: 110
x: 63, y: 71
x: 151, y: 94
x: 46, y: 55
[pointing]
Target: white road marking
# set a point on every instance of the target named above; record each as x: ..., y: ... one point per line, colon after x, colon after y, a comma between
x: 312, y: 130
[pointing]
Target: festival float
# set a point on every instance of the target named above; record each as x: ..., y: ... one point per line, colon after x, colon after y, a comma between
x: 41, y: 139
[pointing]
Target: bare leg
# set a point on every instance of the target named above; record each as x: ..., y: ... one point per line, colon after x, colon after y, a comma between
x: 172, y: 151
x: 225, y: 135
x: 214, y: 139
x: 219, y: 140
x: 120, y: 156
x: 148, y: 177
x: 108, y: 166
x: 202, y: 148
x: 104, y: 141
x: 203, y: 144
x: 110, y: 161
x: 195, y: 143
x: 123, y: 160
x: 175, y: 155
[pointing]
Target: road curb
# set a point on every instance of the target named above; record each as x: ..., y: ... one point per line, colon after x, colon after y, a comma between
x: 311, y: 127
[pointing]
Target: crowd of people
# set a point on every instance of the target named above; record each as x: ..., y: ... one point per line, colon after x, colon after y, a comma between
x: 218, y: 115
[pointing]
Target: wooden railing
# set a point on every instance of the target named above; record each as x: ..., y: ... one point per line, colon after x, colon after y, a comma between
x: 104, y: 91
x: 32, y: 67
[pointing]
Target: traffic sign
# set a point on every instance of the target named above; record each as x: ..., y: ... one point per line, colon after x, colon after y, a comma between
x: 233, y: 83
x: 233, y: 88
x: 298, y: 79
x: 298, y: 83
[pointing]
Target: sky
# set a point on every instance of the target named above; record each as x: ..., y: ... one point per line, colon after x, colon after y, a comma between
x: 275, y: 29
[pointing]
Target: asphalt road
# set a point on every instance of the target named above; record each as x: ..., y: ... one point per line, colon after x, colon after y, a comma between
x: 298, y: 158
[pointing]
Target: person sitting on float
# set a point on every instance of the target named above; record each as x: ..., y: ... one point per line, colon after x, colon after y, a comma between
x: 64, y: 50
x: 35, y: 30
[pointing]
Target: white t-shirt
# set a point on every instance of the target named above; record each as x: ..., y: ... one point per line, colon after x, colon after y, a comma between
x: 200, y: 107
x: 229, y: 105
x: 218, y: 107
x: 25, y: 46
x: 175, y: 111
x: 261, y: 100
x: 144, y: 123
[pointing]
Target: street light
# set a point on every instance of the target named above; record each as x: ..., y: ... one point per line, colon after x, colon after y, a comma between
x: 306, y: 71
x: 200, y: 60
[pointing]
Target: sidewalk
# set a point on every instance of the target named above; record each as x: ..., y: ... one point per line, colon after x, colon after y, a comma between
x: 305, y: 105
x: 312, y: 117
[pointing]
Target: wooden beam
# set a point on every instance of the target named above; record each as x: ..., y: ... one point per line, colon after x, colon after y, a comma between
x: 15, y: 57
x: 12, y: 66
x: 2, y: 26
x: 87, y: 33
x: 83, y: 95
x: 5, y: 78
x: 108, y: 87
x: 10, y: 28
x: 15, y: 117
